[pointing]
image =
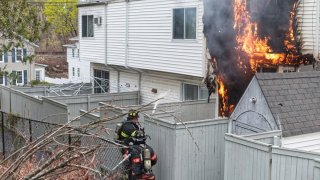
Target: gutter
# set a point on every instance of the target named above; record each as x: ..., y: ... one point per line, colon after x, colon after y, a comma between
x: 316, y: 53
x: 126, y: 35
x: 92, y: 4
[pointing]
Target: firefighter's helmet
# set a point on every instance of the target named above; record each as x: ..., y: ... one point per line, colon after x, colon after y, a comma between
x: 133, y: 114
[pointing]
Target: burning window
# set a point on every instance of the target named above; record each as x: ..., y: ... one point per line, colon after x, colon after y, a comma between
x: 184, y: 23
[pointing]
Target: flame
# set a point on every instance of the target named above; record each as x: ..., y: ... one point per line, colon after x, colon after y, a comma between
x: 254, y: 51
x: 225, y: 109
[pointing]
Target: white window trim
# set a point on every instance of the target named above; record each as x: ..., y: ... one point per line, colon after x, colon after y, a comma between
x: 78, y: 72
x: 183, y: 92
x: 184, y: 23
x: 22, y: 78
x: 16, y: 54
x: 87, y: 37
x: 40, y: 73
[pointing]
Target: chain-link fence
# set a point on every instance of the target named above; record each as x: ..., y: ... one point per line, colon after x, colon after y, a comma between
x: 16, y: 132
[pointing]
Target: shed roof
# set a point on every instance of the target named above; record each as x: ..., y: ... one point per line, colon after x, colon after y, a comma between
x: 294, y: 99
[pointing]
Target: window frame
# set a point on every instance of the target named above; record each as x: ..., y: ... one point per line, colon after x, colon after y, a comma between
x: 184, y: 24
x: 3, y: 79
x: 22, y: 77
x: 16, y: 54
x: 40, y: 72
x: 2, y: 58
x: 87, y: 25
x: 198, y: 94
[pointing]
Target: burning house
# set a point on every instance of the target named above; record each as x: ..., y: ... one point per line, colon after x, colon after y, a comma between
x: 249, y: 37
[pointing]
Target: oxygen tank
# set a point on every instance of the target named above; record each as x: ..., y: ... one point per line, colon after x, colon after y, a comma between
x: 147, y: 159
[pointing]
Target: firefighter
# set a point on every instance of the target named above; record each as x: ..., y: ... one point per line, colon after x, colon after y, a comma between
x: 210, y: 81
x: 131, y: 128
x: 132, y: 134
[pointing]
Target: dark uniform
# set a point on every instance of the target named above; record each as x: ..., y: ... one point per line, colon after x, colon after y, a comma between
x: 131, y: 129
x: 132, y: 134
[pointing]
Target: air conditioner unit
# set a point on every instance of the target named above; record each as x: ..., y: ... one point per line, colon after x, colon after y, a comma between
x: 98, y: 20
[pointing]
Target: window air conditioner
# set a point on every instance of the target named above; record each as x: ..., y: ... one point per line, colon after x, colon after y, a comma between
x: 98, y: 20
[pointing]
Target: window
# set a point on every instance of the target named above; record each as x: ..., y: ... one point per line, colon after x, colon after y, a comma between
x: 19, y: 77
x: 78, y: 53
x: 194, y: 92
x: 78, y: 72
x: 72, y: 52
x: 19, y: 54
x: 87, y: 26
x: 101, y: 81
x: 184, y: 23
x: 2, y: 80
x: 38, y: 75
x: 73, y: 72
x: 1, y: 57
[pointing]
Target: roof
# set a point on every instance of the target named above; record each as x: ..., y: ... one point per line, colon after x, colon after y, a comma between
x: 294, y: 99
x: 42, y: 65
x: 69, y: 45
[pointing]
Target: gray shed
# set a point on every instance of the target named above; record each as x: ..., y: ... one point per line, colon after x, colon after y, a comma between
x: 289, y: 102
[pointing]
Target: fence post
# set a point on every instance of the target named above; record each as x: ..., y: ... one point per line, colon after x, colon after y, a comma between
x: 30, y: 130
x: 2, y: 128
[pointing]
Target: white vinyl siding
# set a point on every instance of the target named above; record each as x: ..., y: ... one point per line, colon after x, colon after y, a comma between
x: 306, y: 142
x: 129, y: 82
x: 93, y: 49
x: 150, y: 44
x: 309, y: 26
x: 168, y: 88
x: 116, y: 33
x: 150, y: 38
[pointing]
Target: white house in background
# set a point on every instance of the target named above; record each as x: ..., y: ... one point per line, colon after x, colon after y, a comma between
x: 155, y: 46
x: 78, y: 71
x: 13, y: 62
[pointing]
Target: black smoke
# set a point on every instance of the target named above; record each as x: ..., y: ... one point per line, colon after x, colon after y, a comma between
x: 273, y: 18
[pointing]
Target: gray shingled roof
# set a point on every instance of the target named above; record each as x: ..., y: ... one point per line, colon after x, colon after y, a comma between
x: 294, y: 99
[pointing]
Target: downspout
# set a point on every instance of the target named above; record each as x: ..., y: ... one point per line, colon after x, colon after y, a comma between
x: 118, y: 81
x: 126, y: 35
x: 106, y: 29
x: 316, y: 53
